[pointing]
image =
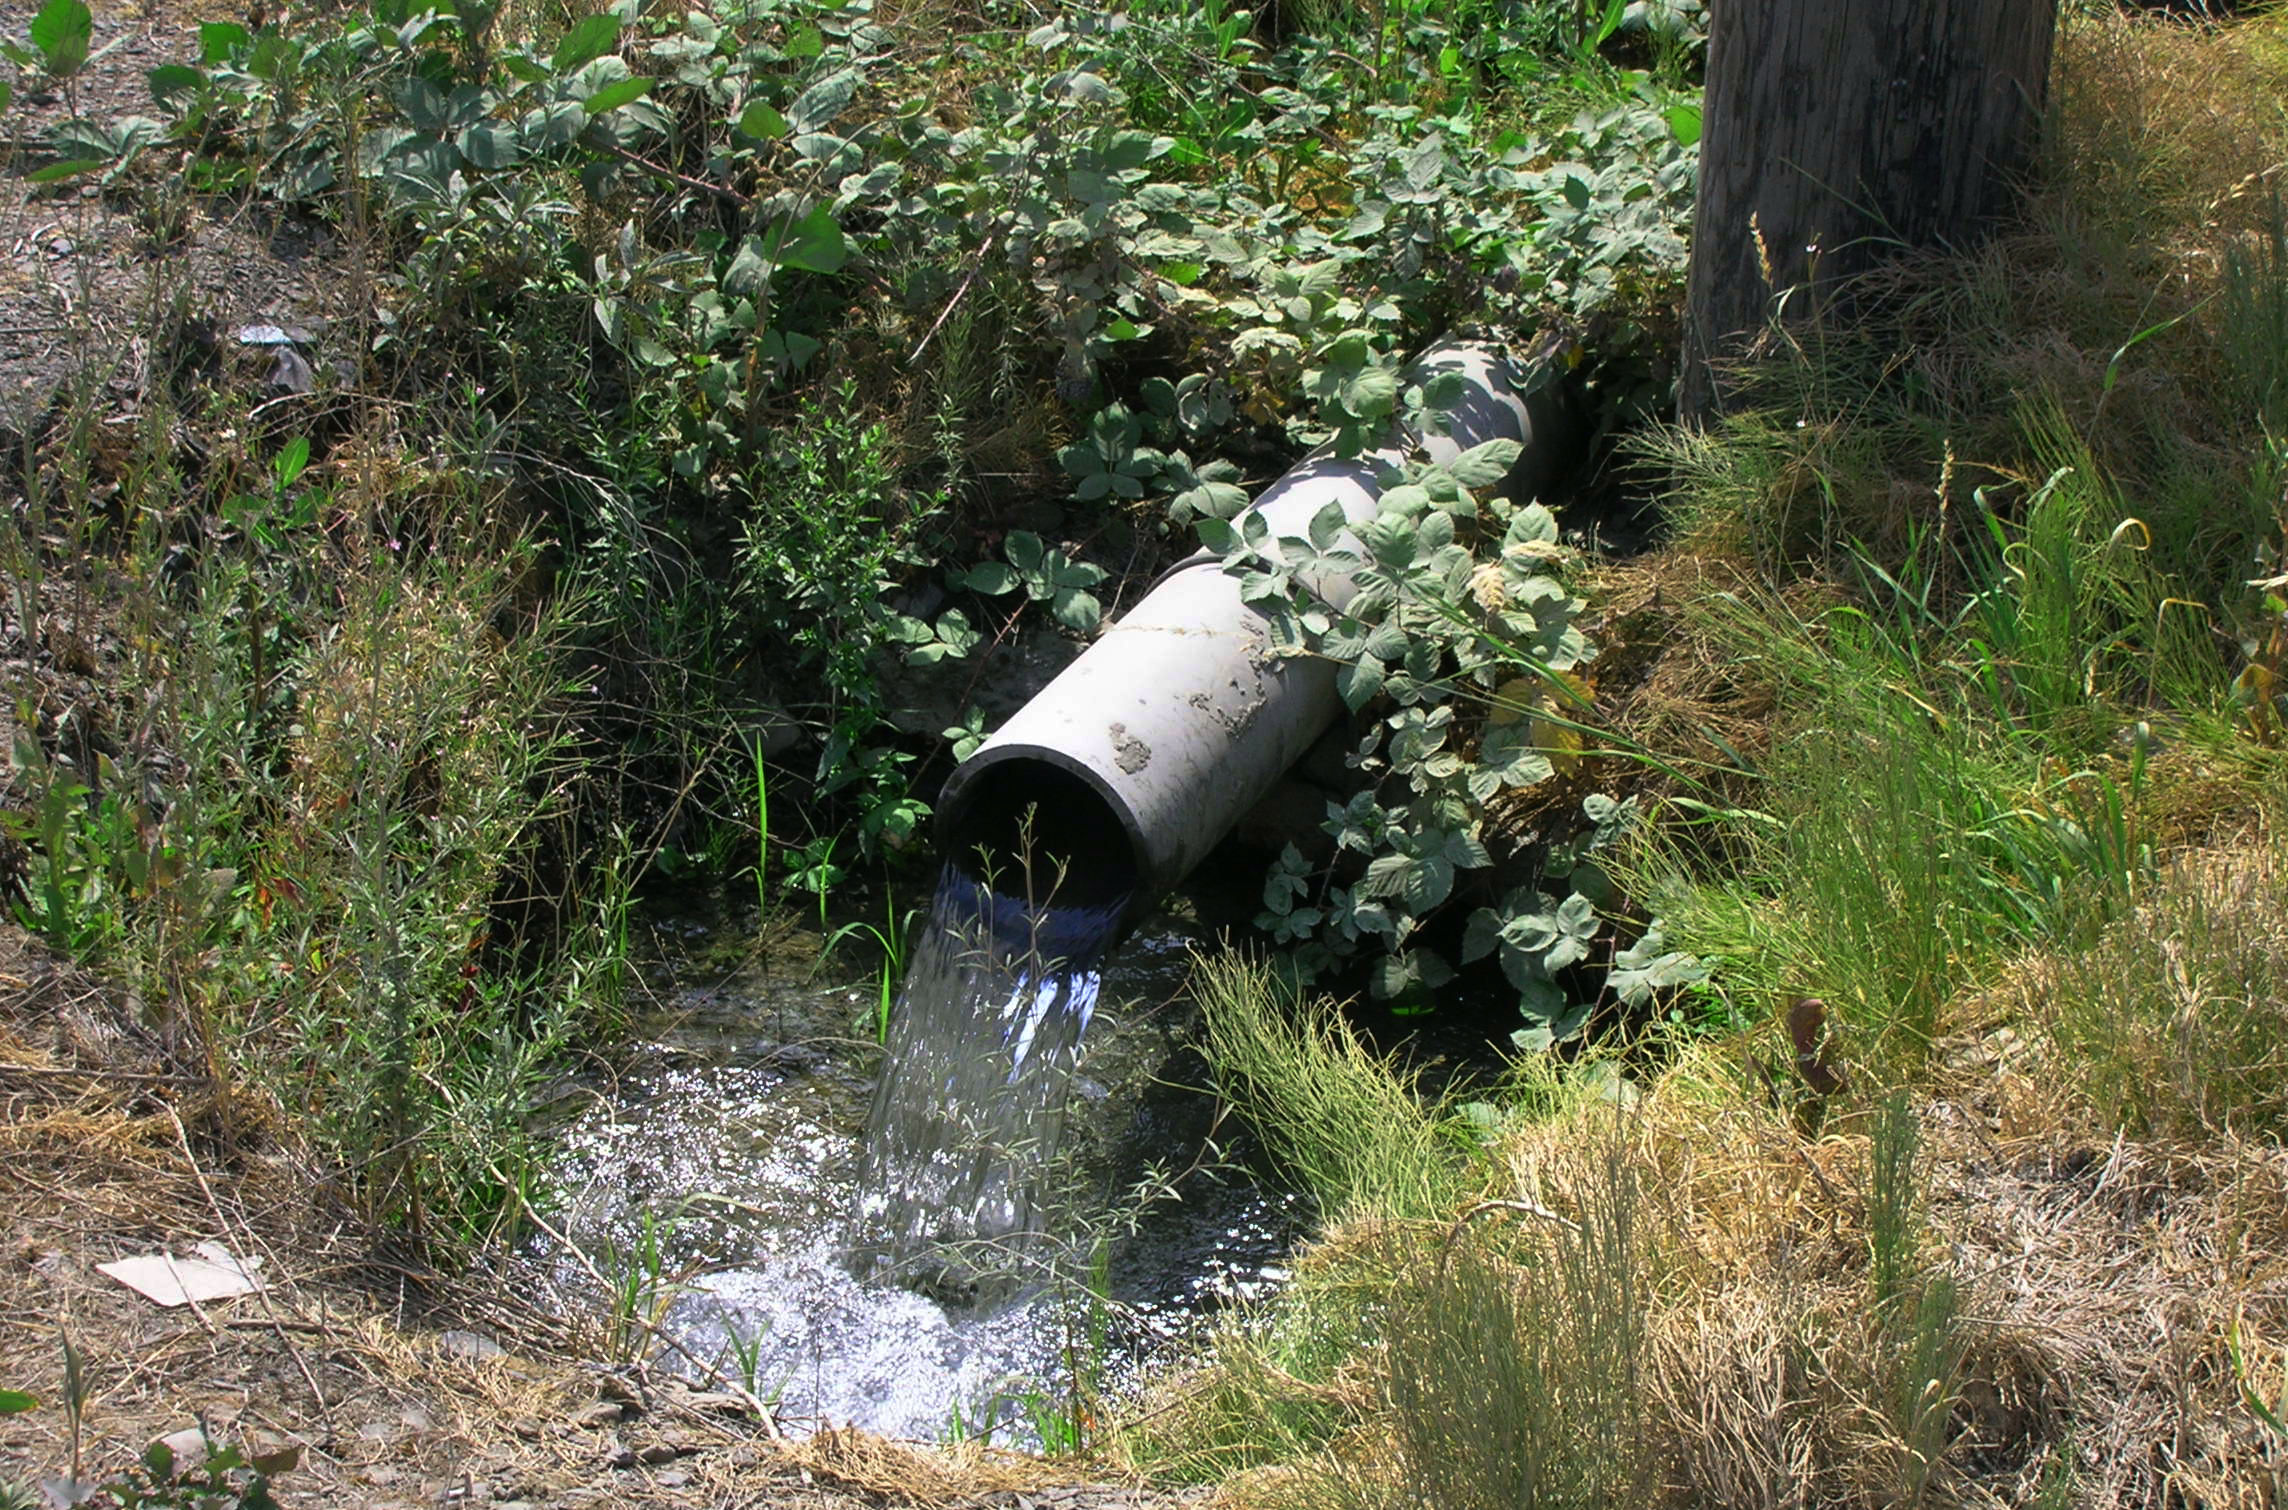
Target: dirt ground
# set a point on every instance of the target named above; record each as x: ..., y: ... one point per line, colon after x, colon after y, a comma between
x: 86, y: 274
x: 401, y: 1387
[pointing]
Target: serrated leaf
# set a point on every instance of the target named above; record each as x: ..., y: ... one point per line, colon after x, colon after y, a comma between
x: 586, y: 42
x: 1327, y: 525
x: 1484, y: 465
x: 1360, y: 681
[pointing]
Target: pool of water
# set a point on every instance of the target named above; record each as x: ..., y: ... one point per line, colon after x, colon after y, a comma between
x: 733, y: 1136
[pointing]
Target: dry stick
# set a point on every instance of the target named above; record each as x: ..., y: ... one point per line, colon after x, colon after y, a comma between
x: 183, y: 1140
x: 712, y: 1371
x: 656, y: 171
x: 968, y: 278
x: 64, y: 1071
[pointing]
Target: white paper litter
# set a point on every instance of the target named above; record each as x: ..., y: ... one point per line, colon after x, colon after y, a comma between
x: 216, y: 1274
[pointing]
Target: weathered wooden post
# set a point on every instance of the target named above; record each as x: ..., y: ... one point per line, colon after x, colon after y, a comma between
x: 1836, y: 131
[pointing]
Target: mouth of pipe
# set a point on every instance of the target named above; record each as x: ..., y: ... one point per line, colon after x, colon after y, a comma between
x: 1021, y: 820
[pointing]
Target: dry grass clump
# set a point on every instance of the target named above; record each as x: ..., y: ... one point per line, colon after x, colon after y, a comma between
x: 1687, y: 1302
x: 2181, y: 123
x: 2176, y: 1019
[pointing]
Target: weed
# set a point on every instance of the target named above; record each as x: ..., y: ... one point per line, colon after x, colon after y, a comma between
x: 640, y: 1287
x: 890, y: 938
x: 1352, y: 1130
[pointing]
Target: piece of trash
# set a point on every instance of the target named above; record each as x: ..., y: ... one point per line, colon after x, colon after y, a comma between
x: 187, y: 1449
x: 216, y: 1274
x: 470, y: 1345
x: 269, y: 335
x: 289, y: 373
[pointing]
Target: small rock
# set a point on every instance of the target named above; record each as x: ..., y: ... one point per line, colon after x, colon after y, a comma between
x: 621, y: 1456
x: 600, y: 1415
x: 715, y: 1403
x: 658, y: 1452
x: 672, y: 1478
x: 62, y: 246
x: 289, y: 373
x: 417, y: 1418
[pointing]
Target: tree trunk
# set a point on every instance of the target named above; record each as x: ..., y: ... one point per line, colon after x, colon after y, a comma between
x: 1838, y: 130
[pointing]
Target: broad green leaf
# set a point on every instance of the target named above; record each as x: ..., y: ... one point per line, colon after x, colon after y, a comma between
x: 171, y: 79
x: 1372, y: 393
x: 219, y: 40
x: 1684, y: 124
x: 14, y: 1402
x: 760, y: 121
x: 58, y: 172
x: 61, y: 32
x: 1076, y: 610
x: 557, y: 124
x: 809, y: 42
x: 490, y: 145
x: 817, y: 106
x: 991, y: 578
x: 586, y: 42
x: 814, y: 244
x: 613, y: 96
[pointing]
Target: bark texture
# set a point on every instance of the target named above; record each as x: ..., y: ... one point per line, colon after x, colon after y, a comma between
x: 1836, y: 131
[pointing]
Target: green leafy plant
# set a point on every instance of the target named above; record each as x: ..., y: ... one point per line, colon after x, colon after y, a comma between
x: 1046, y: 574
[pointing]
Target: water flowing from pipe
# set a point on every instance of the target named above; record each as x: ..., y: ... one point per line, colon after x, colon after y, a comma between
x: 968, y: 1119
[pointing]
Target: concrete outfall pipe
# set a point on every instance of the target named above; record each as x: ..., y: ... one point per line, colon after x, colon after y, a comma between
x: 1182, y: 715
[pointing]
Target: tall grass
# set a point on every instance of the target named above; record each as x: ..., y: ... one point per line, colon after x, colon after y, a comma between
x: 1516, y: 1381
x: 1351, y: 1129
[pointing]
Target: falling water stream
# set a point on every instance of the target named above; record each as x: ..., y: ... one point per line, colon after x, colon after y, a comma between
x: 903, y: 1239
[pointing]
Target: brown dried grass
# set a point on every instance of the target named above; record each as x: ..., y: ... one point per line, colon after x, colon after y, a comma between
x: 2102, y: 1282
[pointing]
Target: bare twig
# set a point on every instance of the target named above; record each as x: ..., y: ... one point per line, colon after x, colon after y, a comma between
x: 968, y: 278
x: 720, y: 191
x: 277, y: 1325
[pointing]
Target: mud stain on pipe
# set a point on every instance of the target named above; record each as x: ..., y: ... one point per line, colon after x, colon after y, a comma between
x: 1133, y: 754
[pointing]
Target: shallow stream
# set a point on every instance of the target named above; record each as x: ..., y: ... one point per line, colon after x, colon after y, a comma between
x: 731, y: 1143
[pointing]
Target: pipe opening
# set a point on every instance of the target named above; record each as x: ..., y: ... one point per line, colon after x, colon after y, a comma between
x: 1026, y: 827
